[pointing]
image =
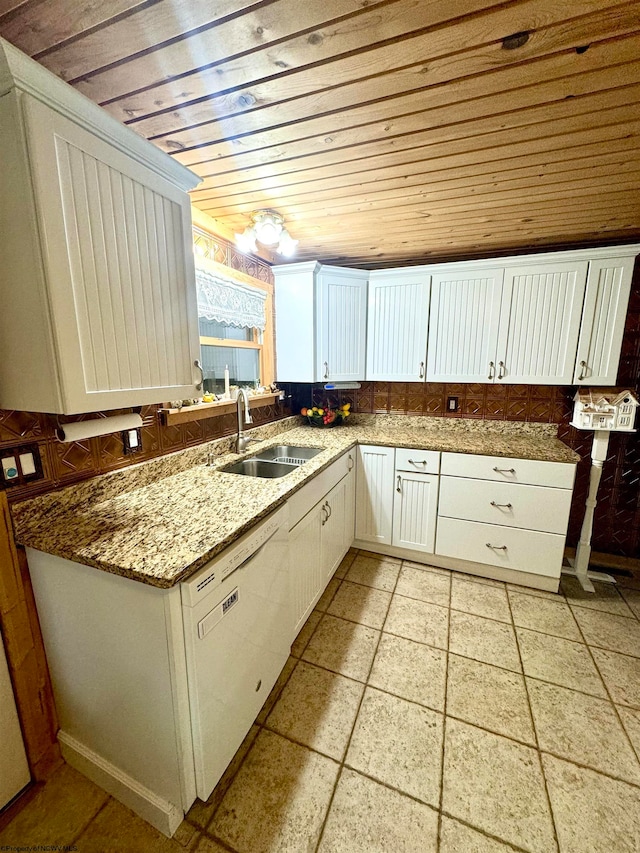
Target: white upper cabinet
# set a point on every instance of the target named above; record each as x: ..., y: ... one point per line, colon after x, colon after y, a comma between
x: 397, y: 321
x: 540, y: 323
x: 97, y: 285
x: 603, y: 319
x: 320, y: 323
x: 464, y: 325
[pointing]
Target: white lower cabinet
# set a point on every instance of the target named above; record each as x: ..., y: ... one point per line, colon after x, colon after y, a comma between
x: 414, y: 511
x: 374, y: 494
x: 322, y: 536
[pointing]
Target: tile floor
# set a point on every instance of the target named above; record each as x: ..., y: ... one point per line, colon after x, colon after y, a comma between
x: 421, y: 710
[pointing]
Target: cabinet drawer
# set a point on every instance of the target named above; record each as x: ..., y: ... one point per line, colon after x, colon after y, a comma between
x: 308, y: 496
x: 417, y: 461
x: 495, y: 545
x: 513, y: 505
x: 505, y: 470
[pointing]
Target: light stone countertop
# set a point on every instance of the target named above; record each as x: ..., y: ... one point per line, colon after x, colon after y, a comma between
x: 158, y: 527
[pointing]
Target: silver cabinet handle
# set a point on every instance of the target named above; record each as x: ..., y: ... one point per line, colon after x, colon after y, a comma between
x: 505, y: 470
x: 583, y: 366
x: 398, y: 487
x: 421, y: 374
x: 200, y: 384
x: 492, y: 370
x: 326, y: 514
x: 419, y: 462
x: 501, y: 370
x: 326, y: 370
x: 496, y: 547
x: 328, y: 505
x: 501, y: 506
x: 350, y: 461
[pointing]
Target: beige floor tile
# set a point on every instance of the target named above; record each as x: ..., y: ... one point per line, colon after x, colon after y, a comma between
x: 466, y: 576
x: 631, y: 721
x: 560, y: 661
x: 593, y: 814
x: 186, y: 836
x: 424, y: 584
x: 398, y: 743
x: 379, y: 573
x: 343, y: 647
x: 542, y: 614
x: 621, y: 674
x: 480, y: 599
x: 609, y: 632
x: 305, y: 633
x: 208, y: 845
x: 345, y: 564
x: 276, y: 690
x: 489, y: 697
x: 410, y: 670
x: 418, y: 620
x: 317, y: 708
x: 606, y: 596
x: 484, y: 640
x: 118, y: 829
x: 455, y: 837
x: 414, y: 564
x: 539, y: 593
x: 366, y: 817
x: 327, y: 596
x: 582, y: 728
x: 278, y: 800
x: 632, y: 598
x: 362, y: 604
x: 497, y: 786
x: 58, y: 812
x: 201, y: 812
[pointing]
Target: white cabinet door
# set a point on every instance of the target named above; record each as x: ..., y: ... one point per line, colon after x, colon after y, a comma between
x: 415, y: 508
x: 341, y: 320
x: 374, y: 494
x: 397, y: 322
x: 333, y: 547
x: 540, y: 322
x: 307, y: 578
x: 116, y: 244
x: 350, y: 504
x: 463, y: 326
x: 603, y: 319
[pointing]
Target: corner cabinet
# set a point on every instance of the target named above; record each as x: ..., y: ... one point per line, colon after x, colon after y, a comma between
x: 320, y: 323
x: 98, y: 286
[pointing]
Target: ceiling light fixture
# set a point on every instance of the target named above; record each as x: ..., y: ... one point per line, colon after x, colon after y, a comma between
x: 267, y: 228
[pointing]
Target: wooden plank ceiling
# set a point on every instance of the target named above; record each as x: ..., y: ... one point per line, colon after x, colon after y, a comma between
x: 385, y: 131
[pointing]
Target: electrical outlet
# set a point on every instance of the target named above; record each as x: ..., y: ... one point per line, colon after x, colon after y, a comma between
x: 19, y: 465
x: 452, y: 404
x: 132, y: 440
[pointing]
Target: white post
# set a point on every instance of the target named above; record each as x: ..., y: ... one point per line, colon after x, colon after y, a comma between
x: 583, y: 551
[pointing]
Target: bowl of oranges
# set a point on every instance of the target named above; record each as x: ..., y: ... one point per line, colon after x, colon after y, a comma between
x: 324, y: 416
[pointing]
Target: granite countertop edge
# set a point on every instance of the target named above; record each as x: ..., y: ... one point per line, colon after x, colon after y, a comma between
x: 155, y: 533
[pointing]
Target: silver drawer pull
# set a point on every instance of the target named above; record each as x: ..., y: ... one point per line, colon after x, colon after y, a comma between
x: 501, y: 370
x: 505, y: 470
x: 496, y: 547
x: 492, y: 370
x: 421, y: 373
x: 418, y: 462
x: 500, y: 506
x: 398, y: 487
x: 583, y: 365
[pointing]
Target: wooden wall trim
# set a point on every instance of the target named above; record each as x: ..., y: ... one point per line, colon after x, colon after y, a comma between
x: 25, y: 654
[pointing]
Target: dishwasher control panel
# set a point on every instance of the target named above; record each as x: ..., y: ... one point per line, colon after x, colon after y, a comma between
x: 210, y: 576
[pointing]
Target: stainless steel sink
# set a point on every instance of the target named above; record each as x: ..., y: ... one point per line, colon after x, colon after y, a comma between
x: 259, y: 468
x: 288, y: 453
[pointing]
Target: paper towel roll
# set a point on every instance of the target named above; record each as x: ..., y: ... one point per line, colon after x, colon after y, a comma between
x: 98, y: 426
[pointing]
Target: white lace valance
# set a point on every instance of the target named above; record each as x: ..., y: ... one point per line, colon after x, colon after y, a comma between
x: 227, y: 301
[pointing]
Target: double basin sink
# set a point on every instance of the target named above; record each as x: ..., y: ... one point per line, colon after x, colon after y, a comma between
x: 273, y: 462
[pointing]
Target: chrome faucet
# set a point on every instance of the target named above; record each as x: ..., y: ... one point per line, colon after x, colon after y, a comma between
x: 241, y: 439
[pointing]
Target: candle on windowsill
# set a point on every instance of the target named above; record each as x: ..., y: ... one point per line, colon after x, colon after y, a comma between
x: 227, y: 395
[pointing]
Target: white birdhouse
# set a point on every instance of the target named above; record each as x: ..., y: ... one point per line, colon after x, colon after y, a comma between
x: 613, y: 411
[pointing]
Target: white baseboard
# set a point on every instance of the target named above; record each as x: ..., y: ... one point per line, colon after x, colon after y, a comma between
x: 497, y: 573
x: 165, y: 816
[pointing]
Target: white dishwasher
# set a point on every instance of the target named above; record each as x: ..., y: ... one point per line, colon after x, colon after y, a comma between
x: 237, y: 637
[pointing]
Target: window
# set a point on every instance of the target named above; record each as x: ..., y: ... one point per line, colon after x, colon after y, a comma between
x: 236, y: 327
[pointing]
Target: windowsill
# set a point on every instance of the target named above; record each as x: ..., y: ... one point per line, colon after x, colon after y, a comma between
x: 213, y: 410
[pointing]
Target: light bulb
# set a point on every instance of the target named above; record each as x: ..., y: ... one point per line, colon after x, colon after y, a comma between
x: 246, y: 241
x: 287, y: 245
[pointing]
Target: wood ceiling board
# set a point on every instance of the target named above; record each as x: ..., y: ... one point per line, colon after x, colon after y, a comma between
x: 343, y: 99
x: 414, y: 162
x: 412, y: 106
x: 344, y: 52
x: 264, y: 23
x: 404, y: 148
